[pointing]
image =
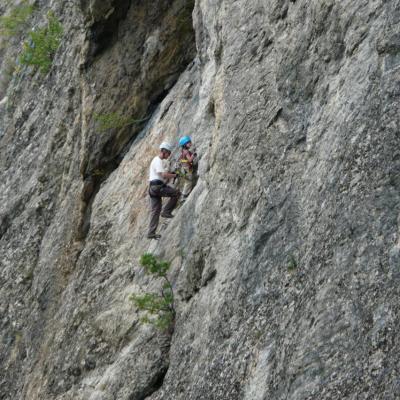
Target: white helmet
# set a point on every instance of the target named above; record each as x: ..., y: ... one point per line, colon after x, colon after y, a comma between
x: 166, y: 146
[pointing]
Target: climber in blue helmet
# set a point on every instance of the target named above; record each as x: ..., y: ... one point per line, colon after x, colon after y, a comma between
x: 187, y: 162
x: 184, y: 140
x: 159, y: 177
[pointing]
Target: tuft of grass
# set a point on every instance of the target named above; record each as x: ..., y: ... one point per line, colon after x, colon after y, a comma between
x: 115, y: 120
x: 42, y: 44
x: 292, y: 263
x: 258, y: 334
x: 182, y: 253
x: 159, y: 309
x: 28, y: 276
x: 99, y: 172
x: 14, y: 23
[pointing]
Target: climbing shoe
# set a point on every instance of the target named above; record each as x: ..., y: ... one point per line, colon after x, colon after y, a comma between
x: 166, y: 215
x: 153, y: 236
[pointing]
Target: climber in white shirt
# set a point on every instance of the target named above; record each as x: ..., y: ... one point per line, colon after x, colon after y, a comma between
x: 158, y: 178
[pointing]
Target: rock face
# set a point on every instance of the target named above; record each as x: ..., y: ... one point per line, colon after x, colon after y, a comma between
x: 285, y: 257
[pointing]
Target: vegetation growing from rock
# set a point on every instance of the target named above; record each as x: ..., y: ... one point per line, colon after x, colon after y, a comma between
x: 292, y: 263
x: 42, y: 44
x: 13, y: 24
x: 115, y: 120
x: 158, y: 308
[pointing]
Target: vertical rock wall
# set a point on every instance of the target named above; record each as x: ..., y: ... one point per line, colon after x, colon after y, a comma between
x: 285, y: 258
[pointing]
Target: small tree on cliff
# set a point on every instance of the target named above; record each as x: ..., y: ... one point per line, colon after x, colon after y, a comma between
x: 159, y: 309
x: 42, y: 44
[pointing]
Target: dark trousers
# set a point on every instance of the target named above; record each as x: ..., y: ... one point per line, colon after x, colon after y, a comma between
x: 157, y: 192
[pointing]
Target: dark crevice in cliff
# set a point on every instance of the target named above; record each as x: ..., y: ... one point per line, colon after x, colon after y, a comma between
x: 103, y: 33
x: 155, y: 385
x: 5, y: 224
x: 8, y: 216
x: 92, y: 184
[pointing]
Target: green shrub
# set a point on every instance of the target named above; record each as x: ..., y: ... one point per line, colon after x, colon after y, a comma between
x: 13, y: 24
x: 114, y: 120
x: 41, y: 45
x: 159, y: 308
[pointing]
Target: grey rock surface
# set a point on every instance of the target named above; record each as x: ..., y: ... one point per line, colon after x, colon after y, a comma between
x: 286, y: 256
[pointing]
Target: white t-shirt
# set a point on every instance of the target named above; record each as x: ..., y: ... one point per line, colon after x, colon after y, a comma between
x: 156, y: 168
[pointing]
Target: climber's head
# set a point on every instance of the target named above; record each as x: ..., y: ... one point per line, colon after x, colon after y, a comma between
x: 185, y: 142
x: 165, y: 150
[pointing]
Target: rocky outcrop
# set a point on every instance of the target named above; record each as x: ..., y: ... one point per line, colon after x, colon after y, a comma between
x: 285, y: 257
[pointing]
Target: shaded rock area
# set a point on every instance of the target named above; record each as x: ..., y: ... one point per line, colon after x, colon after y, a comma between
x: 286, y: 255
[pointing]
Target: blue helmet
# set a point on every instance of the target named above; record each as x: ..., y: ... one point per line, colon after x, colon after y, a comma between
x: 184, y: 140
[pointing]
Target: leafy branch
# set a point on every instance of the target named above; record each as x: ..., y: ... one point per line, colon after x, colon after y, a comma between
x: 13, y: 24
x: 159, y: 308
x: 42, y: 44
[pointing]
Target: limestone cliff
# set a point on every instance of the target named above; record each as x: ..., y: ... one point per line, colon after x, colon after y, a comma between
x: 286, y: 256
